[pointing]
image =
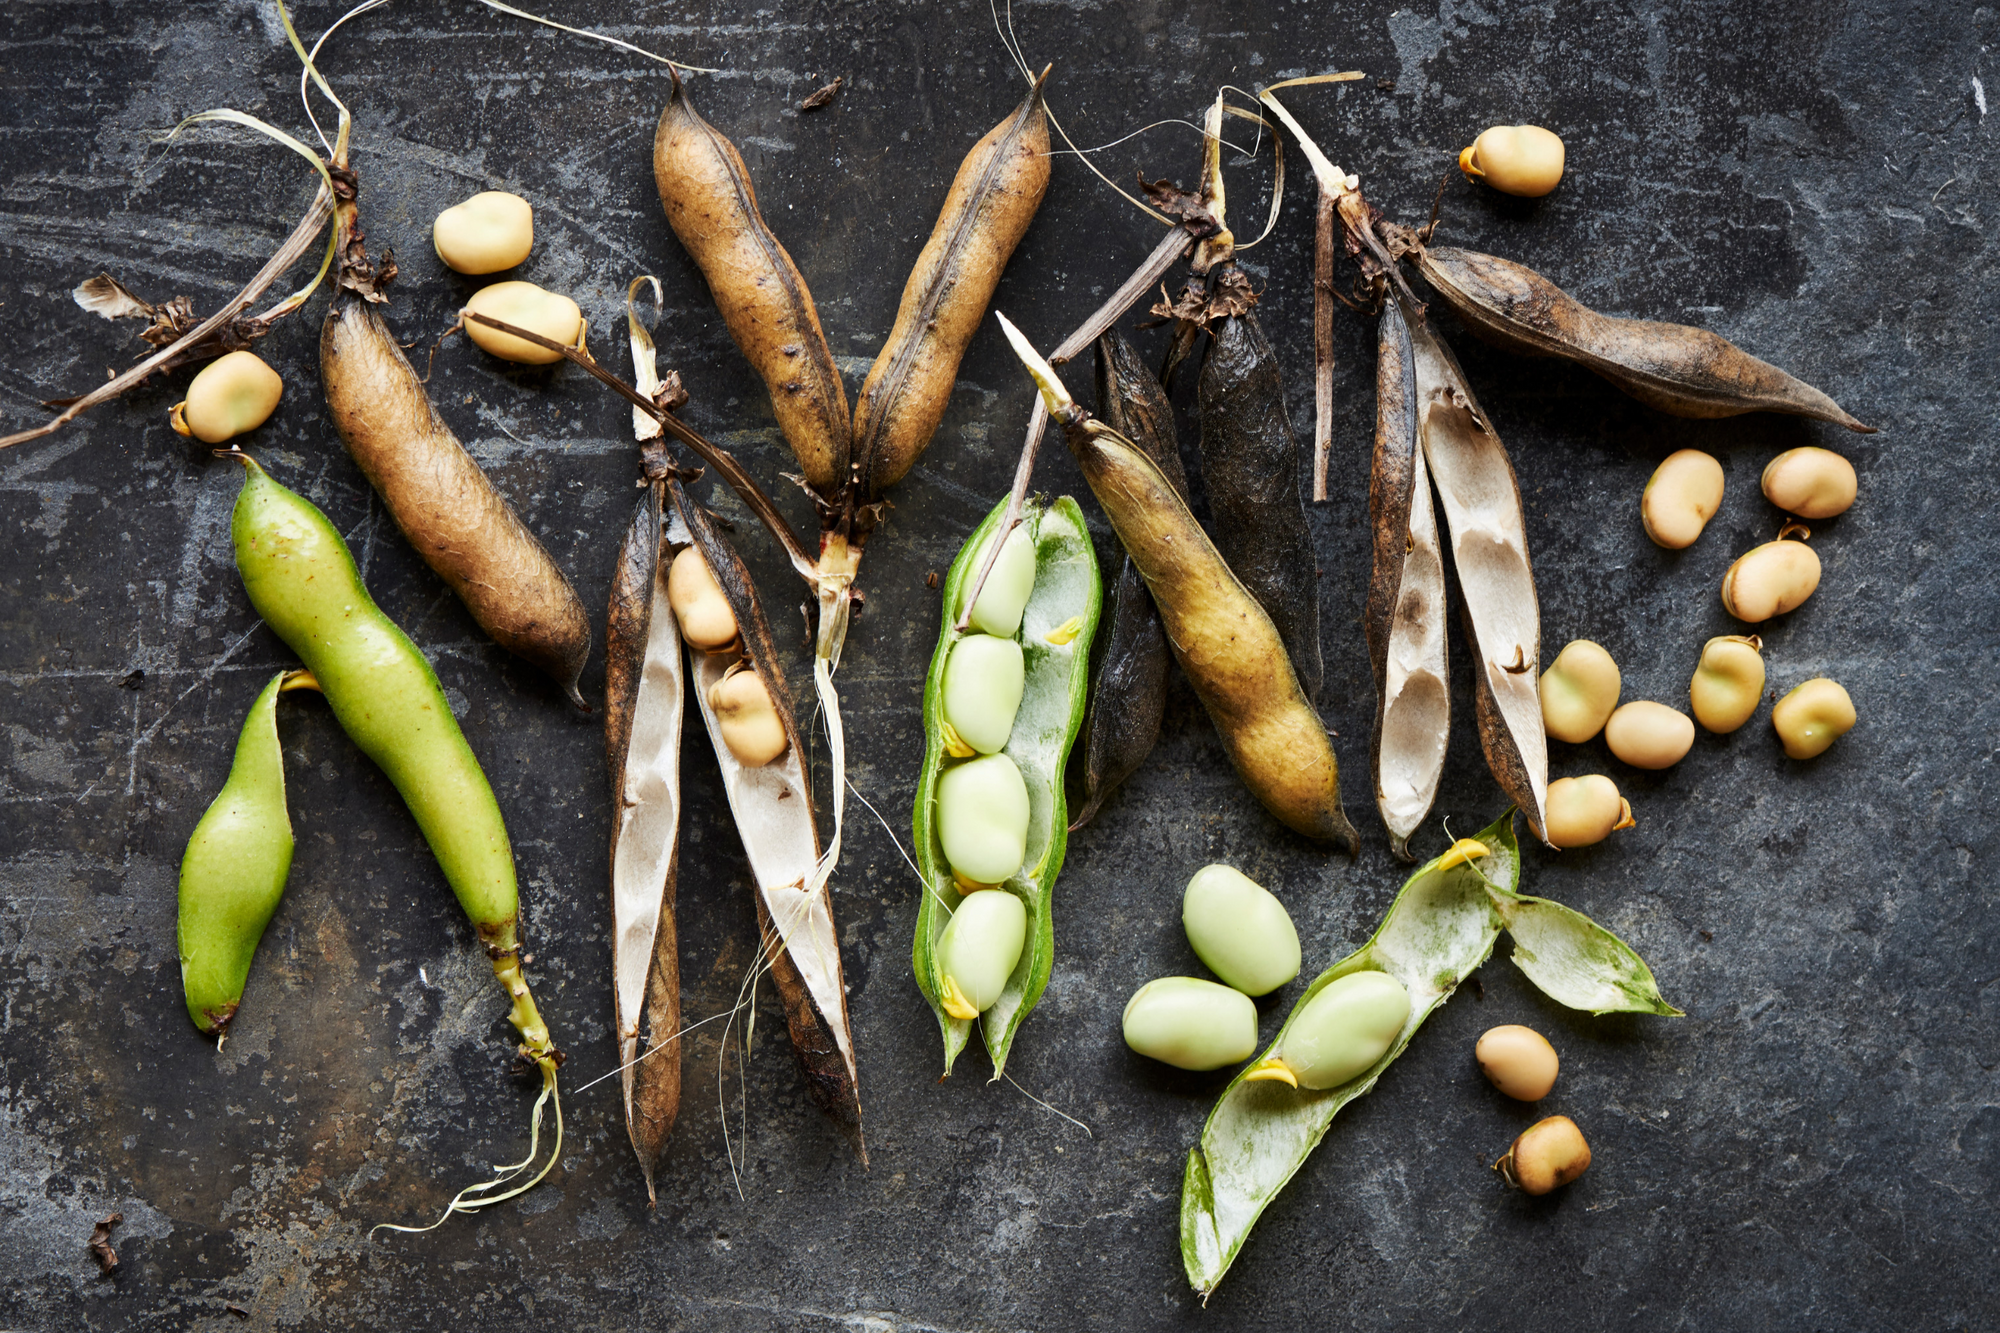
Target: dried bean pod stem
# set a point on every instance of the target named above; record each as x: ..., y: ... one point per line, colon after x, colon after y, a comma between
x: 992, y: 200
x: 644, y: 693
x: 1404, y: 615
x: 1250, y: 466
x: 1128, y: 697
x: 712, y: 207
x: 1489, y: 542
x: 773, y: 809
x: 443, y: 502
x: 1686, y: 371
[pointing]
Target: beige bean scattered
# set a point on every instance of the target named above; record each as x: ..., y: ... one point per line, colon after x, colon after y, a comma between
x: 1649, y: 735
x: 1549, y: 1154
x: 1584, y: 811
x: 1810, y: 482
x: 1524, y: 160
x: 234, y: 393
x: 1519, y: 1061
x: 489, y: 232
x: 750, y: 726
x: 1812, y: 717
x: 703, y: 612
x: 1681, y: 496
x: 526, y: 306
x: 1728, y: 682
x: 1579, y: 690
x: 1771, y: 579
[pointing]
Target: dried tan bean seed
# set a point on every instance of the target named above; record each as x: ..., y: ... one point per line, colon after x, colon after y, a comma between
x: 1812, y: 717
x: 1649, y: 735
x: 1681, y: 496
x: 1579, y: 690
x: 1728, y: 682
x: 1810, y: 482
x: 1584, y: 811
x: 1519, y: 1061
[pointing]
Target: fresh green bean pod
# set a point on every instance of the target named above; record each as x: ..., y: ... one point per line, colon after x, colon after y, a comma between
x: 1054, y: 633
x: 1441, y: 927
x: 303, y: 582
x: 233, y: 872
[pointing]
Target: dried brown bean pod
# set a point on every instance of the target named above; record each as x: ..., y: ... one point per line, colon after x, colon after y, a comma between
x: 1225, y: 644
x: 441, y: 500
x: 992, y: 200
x: 1128, y: 696
x: 1489, y: 544
x: 1688, y: 372
x: 1404, y: 617
x: 772, y: 805
x: 712, y: 207
x: 1250, y: 467
x: 644, y: 699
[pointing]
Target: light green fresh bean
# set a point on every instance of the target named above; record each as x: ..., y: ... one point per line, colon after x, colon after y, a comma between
x: 1190, y: 1023
x: 1005, y: 596
x: 983, y: 679
x: 1240, y: 930
x: 1342, y: 1031
x: 978, y: 950
x: 982, y: 820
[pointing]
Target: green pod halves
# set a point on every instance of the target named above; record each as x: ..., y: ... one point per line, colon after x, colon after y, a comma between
x: 233, y: 872
x: 1054, y: 633
x: 303, y: 582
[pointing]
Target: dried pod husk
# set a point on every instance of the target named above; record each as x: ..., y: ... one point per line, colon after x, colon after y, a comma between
x: 992, y: 200
x: 1489, y: 544
x: 1250, y: 467
x: 1128, y: 695
x: 443, y: 502
x: 712, y: 207
x: 644, y: 702
x: 1226, y: 645
x: 773, y: 808
x: 1688, y: 372
x: 1404, y: 617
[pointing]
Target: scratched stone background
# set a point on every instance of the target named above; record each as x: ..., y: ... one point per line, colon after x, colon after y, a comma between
x: 1815, y: 1146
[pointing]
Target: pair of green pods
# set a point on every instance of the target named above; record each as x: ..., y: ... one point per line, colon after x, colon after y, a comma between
x: 991, y: 819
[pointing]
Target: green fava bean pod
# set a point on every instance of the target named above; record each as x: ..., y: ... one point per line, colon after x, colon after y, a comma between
x: 1439, y: 930
x: 1240, y: 930
x: 1190, y: 1023
x: 968, y: 809
x: 233, y: 872
x: 302, y: 580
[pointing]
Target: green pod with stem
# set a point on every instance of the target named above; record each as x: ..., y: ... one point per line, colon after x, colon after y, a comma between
x: 1054, y: 633
x: 302, y: 580
x: 1437, y: 932
x: 233, y: 872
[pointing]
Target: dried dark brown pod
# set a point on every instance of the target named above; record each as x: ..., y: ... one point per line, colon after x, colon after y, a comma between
x: 1404, y: 617
x: 644, y: 701
x: 1688, y: 372
x: 773, y: 809
x: 712, y: 207
x: 442, y: 500
x: 1250, y: 466
x: 992, y: 200
x: 1129, y: 693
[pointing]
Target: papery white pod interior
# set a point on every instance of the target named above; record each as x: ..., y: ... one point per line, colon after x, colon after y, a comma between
x: 1416, y: 692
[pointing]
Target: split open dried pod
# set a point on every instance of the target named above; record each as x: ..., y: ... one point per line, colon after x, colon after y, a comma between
x: 1404, y: 616
x: 1685, y: 371
x: 1223, y: 640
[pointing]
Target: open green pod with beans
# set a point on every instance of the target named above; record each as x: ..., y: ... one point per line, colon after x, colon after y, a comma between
x: 1440, y: 928
x: 964, y: 798
x: 234, y: 869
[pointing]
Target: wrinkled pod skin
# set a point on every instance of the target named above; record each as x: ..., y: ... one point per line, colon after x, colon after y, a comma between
x: 1226, y: 645
x: 992, y: 200
x: 443, y: 502
x: 1128, y: 696
x: 712, y: 207
x: 234, y: 869
x: 302, y: 581
x: 1685, y: 371
x: 1250, y: 467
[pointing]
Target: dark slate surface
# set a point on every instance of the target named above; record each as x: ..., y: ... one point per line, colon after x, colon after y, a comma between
x: 1815, y: 1146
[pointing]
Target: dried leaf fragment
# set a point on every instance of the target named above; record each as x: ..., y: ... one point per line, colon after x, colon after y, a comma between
x: 100, y: 1243
x: 823, y: 96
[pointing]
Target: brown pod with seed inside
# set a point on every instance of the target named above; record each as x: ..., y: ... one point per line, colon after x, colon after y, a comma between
x: 1404, y: 615
x: 712, y: 208
x: 1225, y: 644
x: 1686, y: 371
x: 441, y: 500
x: 644, y: 700
x: 992, y: 200
x: 1128, y: 696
